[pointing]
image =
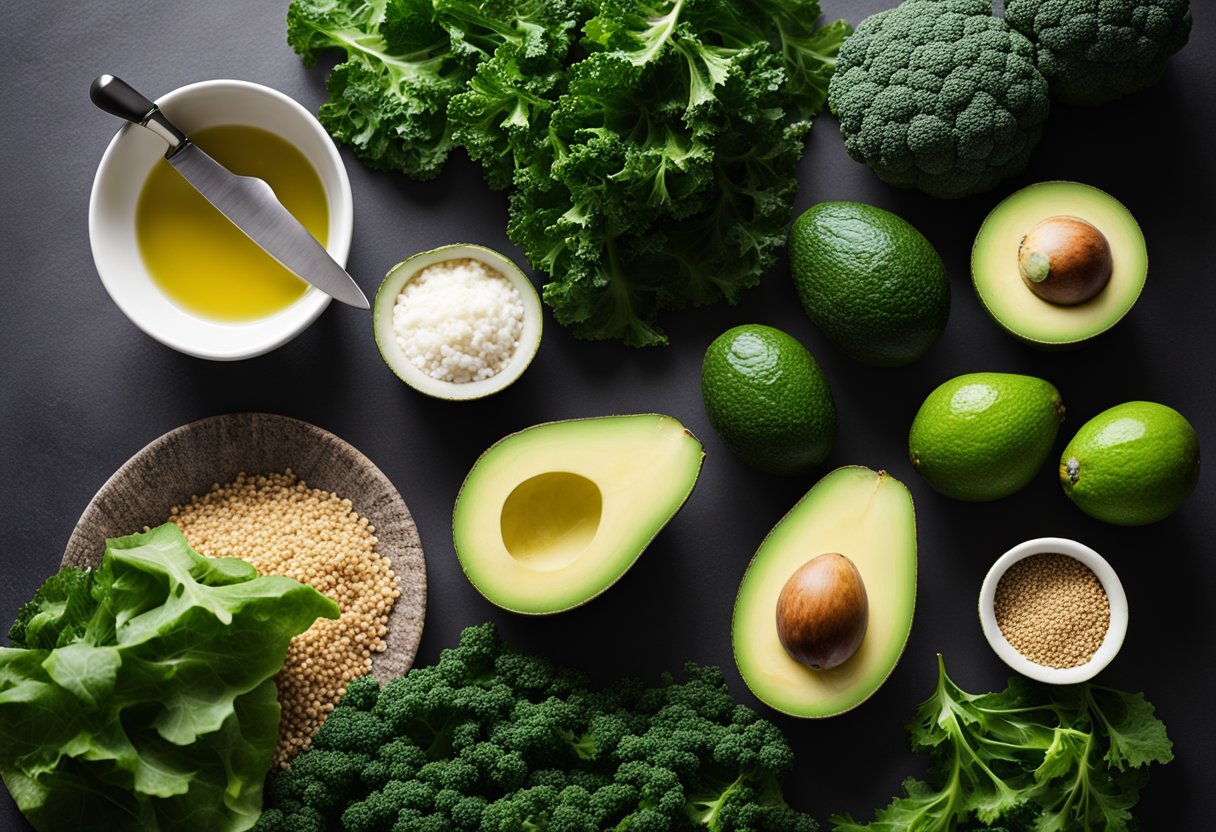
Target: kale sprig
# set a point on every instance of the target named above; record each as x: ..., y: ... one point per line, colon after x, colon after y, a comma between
x: 649, y: 146
x: 1031, y: 758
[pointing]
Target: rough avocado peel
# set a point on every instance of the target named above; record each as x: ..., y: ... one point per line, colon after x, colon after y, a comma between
x: 768, y: 399
x: 1131, y: 465
x: 983, y: 436
x: 870, y: 281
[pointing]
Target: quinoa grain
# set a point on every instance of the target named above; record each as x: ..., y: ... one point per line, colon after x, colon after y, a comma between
x: 1052, y: 609
x: 282, y: 527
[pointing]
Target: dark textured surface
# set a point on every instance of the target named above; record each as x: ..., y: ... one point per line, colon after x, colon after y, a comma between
x: 82, y: 389
x: 188, y: 460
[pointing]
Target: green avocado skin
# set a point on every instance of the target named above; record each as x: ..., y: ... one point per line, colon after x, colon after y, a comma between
x: 1132, y: 465
x: 983, y: 436
x: 870, y: 281
x: 768, y: 400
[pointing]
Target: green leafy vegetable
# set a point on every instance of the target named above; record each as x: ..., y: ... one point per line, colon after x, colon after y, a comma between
x: 1031, y: 758
x: 490, y: 740
x: 140, y: 695
x: 649, y: 147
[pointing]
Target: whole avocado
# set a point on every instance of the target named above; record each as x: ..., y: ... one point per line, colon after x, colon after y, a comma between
x: 1094, y: 51
x: 768, y: 400
x: 870, y: 281
x: 939, y: 95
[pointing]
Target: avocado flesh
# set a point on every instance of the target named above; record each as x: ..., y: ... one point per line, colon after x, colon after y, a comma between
x: 868, y: 517
x: 550, y: 517
x: 1022, y: 313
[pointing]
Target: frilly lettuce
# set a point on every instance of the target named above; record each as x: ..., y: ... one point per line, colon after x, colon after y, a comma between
x: 140, y: 695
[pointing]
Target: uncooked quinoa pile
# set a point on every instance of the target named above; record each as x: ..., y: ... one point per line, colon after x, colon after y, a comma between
x: 282, y: 527
x: 1053, y: 610
x: 459, y: 321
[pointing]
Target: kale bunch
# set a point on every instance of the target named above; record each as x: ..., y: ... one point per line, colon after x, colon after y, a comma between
x: 495, y: 741
x: 1094, y: 51
x: 649, y: 146
x: 939, y: 95
x: 1030, y: 758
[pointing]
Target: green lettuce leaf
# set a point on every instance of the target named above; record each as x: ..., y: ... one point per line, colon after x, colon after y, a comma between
x: 141, y: 696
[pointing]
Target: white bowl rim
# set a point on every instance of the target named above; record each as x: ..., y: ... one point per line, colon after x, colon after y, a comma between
x: 465, y: 391
x: 1111, y: 584
x: 313, y: 302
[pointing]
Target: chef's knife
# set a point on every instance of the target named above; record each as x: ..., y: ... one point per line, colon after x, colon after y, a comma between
x: 248, y: 202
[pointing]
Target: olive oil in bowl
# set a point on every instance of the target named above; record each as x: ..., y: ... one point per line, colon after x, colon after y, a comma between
x: 200, y: 260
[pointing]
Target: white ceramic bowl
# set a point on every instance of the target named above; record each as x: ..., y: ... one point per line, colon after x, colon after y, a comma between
x: 1114, y: 593
x: 121, y: 175
x: 394, y: 357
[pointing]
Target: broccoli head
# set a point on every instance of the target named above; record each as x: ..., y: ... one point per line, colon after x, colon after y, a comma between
x: 492, y: 740
x: 1094, y: 51
x: 939, y: 95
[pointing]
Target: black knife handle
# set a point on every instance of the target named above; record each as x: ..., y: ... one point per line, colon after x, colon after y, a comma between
x: 118, y: 98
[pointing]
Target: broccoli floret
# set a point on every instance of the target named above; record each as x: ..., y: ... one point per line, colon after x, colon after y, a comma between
x: 1094, y: 51
x: 58, y: 613
x: 939, y: 95
x: 349, y: 729
x: 362, y: 693
x: 300, y: 819
x: 490, y: 740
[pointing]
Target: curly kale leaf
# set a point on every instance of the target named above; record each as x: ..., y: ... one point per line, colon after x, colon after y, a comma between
x: 650, y: 164
x: 671, y: 180
x: 388, y: 99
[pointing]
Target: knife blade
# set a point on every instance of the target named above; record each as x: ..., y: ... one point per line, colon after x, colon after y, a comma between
x: 248, y: 202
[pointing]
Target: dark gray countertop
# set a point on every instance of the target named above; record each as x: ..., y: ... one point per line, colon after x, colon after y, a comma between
x: 81, y: 389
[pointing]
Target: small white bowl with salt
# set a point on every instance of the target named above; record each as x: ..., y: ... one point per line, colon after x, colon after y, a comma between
x: 457, y: 322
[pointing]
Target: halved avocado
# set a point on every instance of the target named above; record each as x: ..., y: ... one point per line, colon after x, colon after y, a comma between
x: 866, y: 516
x: 1058, y: 263
x: 550, y: 517
x: 386, y: 337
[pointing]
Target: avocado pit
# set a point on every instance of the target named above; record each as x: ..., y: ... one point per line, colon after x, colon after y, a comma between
x: 1065, y: 260
x: 823, y: 612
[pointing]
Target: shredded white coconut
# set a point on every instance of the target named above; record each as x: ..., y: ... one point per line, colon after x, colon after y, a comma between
x: 459, y: 320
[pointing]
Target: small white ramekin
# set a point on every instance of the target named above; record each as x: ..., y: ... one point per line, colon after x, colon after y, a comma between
x: 1115, y: 633
x: 121, y: 175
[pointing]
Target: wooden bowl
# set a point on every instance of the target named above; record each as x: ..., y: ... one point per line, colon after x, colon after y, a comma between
x: 189, y: 459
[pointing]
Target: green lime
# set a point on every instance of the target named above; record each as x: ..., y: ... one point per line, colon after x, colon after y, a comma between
x: 1131, y: 465
x: 983, y: 436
